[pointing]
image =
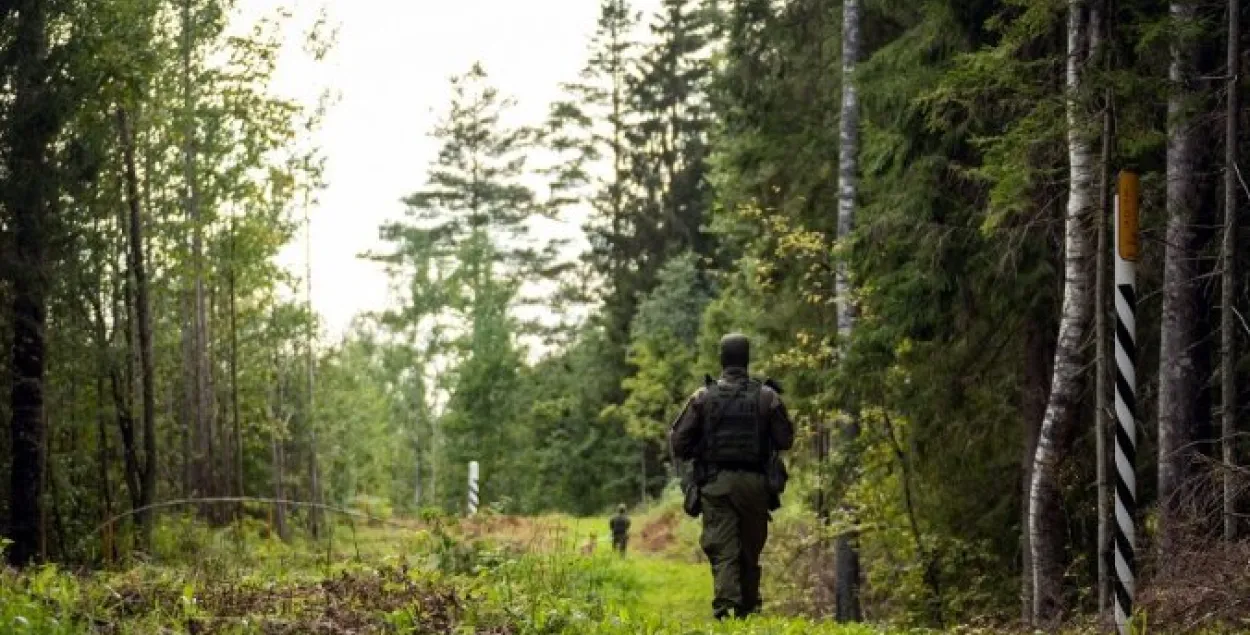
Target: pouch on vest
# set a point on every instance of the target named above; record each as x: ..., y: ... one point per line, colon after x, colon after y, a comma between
x: 735, y: 435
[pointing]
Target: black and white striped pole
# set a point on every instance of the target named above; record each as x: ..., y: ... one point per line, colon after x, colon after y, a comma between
x: 473, y: 474
x: 1126, y: 246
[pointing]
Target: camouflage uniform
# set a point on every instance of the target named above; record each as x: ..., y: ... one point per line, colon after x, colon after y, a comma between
x: 735, y: 498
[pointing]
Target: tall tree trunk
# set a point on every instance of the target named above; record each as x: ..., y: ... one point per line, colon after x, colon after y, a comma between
x: 201, y: 430
x: 416, y: 472
x: 235, y: 416
x: 1039, y: 354
x: 1062, y: 408
x: 123, y: 391
x: 847, y: 559
x: 314, y: 469
x: 277, y: 440
x: 103, y: 459
x: 147, y: 370
x: 31, y: 201
x: 1179, y: 382
x: 1228, y: 288
x: 104, y: 454
x: 279, y: 492
x: 1102, y: 419
x: 186, y: 413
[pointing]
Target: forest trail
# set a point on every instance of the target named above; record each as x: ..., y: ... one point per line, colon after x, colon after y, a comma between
x: 670, y: 578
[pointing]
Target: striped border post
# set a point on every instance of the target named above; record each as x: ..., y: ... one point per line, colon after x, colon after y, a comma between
x: 1126, y: 246
x: 473, y: 498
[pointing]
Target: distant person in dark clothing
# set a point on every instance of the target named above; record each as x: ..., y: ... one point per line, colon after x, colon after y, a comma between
x: 620, y: 530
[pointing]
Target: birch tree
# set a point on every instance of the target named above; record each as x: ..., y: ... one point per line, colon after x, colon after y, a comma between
x: 1066, y: 384
x: 847, y: 559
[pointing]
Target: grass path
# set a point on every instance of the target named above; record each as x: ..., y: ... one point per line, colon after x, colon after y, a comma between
x: 680, y: 591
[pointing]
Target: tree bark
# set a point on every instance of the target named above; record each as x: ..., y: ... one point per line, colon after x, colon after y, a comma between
x: 147, y: 370
x: 104, y: 453
x: 1102, y: 410
x: 314, y: 469
x: 31, y: 201
x: 1179, y: 381
x: 123, y: 392
x: 1045, y: 500
x: 277, y: 441
x: 846, y: 592
x: 1039, y: 354
x: 236, y: 417
x: 1228, y: 288
x: 103, y: 459
x: 201, y: 430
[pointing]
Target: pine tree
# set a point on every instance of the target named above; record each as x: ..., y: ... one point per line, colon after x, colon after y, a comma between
x: 31, y: 193
x: 669, y: 166
x: 471, y: 222
x: 590, y: 130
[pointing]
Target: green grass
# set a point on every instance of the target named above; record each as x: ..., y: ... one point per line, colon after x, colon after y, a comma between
x: 436, y: 579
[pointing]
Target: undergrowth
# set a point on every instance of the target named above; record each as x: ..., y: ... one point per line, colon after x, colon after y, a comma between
x: 438, y: 576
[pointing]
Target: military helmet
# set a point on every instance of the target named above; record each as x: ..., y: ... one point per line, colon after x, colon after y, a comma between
x: 735, y: 351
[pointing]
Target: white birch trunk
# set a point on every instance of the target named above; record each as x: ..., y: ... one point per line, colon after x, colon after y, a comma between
x: 847, y: 560
x: 1061, y: 408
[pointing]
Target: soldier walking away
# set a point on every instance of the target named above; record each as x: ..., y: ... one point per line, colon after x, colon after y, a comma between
x: 731, y: 430
x: 620, y: 530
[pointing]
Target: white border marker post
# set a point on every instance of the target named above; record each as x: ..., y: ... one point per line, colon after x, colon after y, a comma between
x: 473, y: 496
x: 1126, y: 247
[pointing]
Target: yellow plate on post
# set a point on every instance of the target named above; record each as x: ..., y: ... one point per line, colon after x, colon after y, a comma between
x: 1128, y: 241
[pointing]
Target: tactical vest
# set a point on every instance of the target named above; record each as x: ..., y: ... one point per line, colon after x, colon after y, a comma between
x: 734, y: 434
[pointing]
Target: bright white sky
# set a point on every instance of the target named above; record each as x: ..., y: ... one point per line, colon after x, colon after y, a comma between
x: 390, y: 71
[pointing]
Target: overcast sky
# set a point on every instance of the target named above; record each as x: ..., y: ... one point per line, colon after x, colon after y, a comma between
x: 390, y: 71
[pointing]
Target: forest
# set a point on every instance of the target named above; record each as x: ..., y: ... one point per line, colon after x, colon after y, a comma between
x: 907, y: 205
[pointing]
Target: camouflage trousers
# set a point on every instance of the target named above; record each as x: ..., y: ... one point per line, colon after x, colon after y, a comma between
x: 735, y: 527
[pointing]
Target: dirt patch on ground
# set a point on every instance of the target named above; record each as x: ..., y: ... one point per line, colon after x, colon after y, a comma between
x: 659, y: 535
x: 524, y: 533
